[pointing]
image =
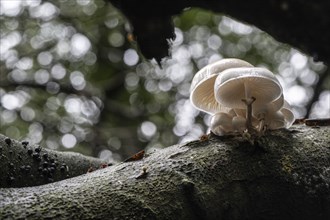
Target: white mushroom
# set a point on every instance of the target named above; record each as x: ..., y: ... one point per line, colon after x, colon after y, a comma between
x: 221, y: 123
x: 201, y: 90
x: 240, y: 87
x: 236, y: 84
x: 240, y: 98
x: 288, y: 114
x: 261, y: 111
x: 232, y: 113
x: 275, y: 120
x: 240, y: 112
x: 239, y: 123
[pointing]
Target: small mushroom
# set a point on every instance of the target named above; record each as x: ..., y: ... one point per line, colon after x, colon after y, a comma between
x: 288, y: 114
x: 240, y: 88
x: 275, y: 120
x: 240, y: 112
x: 202, y: 94
x: 232, y: 112
x: 239, y: 123
x: 260, y: 111
x: 221, y: 123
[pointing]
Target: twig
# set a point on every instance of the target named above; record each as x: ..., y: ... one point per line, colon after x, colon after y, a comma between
x: 63, y: 88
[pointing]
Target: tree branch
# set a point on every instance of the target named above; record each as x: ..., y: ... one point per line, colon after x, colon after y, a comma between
x: 24, y: 165
x: 68, y: 89
x: 285, y: 175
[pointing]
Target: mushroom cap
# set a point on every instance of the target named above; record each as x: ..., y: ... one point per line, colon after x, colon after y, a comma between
x: 236, y: 84
x: 288, y: 114
x: 239, y: 123
x: 232, y: 113
x: 223, y: 120
x: 201, y: 89
x: 275, y: 120
x: 277, y: 104
x: 218, y: 131
x: 240, y: 112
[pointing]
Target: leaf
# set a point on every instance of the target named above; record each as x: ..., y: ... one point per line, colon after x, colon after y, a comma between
x: 135, y: 157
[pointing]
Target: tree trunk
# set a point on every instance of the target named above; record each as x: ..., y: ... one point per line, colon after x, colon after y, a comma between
x: 284, y: 175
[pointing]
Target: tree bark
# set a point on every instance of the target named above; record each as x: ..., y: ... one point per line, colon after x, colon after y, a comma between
x: 284, y: 175
x: 25, y: 165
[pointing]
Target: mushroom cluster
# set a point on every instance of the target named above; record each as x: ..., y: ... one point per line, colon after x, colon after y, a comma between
x: 240, y: 98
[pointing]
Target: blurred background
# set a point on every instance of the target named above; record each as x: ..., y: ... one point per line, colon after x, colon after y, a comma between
x: 72, y: 78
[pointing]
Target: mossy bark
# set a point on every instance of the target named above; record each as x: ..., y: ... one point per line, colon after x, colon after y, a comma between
x: 284, y: 175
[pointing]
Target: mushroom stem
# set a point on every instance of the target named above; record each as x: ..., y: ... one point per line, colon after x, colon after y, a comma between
x: 248, y: 102
x: 261, y: 122
x: 262, y: 125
